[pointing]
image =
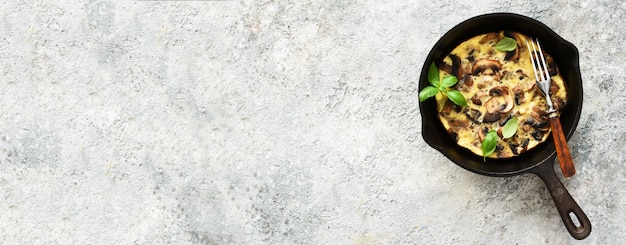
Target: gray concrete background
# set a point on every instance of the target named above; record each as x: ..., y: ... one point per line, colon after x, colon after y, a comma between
x: 274, y: 122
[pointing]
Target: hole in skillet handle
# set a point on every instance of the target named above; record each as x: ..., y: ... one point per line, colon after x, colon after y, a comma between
x: 574, y: 218
x: 566, y: 57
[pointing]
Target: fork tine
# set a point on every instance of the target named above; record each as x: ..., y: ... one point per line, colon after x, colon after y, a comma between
x: 542, y: 75
x: 540, y: 68
x: 531, y: 51
x: 545, y: 73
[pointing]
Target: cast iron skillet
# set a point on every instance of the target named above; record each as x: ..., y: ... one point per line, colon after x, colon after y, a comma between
x: 539, y: 160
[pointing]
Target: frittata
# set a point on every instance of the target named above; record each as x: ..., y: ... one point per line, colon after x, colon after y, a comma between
x: 498, y: 85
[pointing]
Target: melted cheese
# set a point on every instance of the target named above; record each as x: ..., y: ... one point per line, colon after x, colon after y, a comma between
x: 465, y: 124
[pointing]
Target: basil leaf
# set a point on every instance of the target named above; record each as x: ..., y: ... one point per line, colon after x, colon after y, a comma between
x: 510, y: 128
x: 448, y: 81
x: 428, y: 92
x: 433, y: 75
x: 506, y: 44
x: 456, y: 97
x: 488, y: 145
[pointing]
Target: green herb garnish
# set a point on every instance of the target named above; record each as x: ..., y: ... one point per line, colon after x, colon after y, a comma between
x: 506, y: 44
x: 510, y: 128
x: 488, y: 145
x: 428, y: 92
x: 456, y: 97
x: 433, y: 75
x: 441, y: 86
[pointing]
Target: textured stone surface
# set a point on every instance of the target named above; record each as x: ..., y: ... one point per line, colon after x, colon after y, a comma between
x: 274, y: 122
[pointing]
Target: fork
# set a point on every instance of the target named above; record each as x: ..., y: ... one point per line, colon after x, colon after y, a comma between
x: 543, y: 82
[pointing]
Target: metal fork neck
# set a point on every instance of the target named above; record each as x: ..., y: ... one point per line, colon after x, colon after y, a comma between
x: 545, y: 89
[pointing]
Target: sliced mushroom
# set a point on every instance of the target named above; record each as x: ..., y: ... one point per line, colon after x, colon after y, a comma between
x: 457, y: 123
x: 468, y: 80
x: 455, y: 126
x: 543, y: 127
x: 483, y: 65
x: 558, y: 103
x: 553, y: 88
x: 497, y: 77
x: 497, y: 91
x: 527, y: 126
x: 491, y: 117
x: 457, y: 69
x: 551, y: 65
x: 447, y: 108
x: 457, y: 108
x: 539, y: 110
x: 503, y: 154
x: 465, y: 84
x: 445, y: 67
x: 473, y: 115
x: 520, y: 74
x: 482, y: 132
x: 470, y: 56
x: 494, y: 104
x: 552, y: 70
x: 539, y: 121
x: 537, y: 135
x: 493, y: 36
x: 509, y: 104
x: 476, y: 100
x: 519, y: 148
x: 525, y: 145
x: 454, y: 135
x: 513, y: 147
x: 503, y: 92
x: 513, y: 54
x: 530, y: 124
x: 538, y: 125
x: 538, y: 114
x: 504, y: 120
x: 519, y: 95
x: 500, y: 103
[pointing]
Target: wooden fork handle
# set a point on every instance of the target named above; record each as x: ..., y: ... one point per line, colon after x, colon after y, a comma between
x: 562, y: 151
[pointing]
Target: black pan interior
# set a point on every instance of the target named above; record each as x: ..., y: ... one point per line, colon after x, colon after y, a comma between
x: 564, y: 53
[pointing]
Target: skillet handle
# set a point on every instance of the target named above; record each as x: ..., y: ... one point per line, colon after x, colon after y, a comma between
x: 562, y: 150
x: 565, y: 204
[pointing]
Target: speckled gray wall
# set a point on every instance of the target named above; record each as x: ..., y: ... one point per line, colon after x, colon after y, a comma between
x: 274, y: 122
